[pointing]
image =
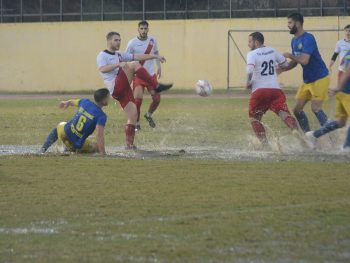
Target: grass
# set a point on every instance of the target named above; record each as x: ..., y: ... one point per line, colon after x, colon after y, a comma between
x: 89, y: 209
x: 75, y: 209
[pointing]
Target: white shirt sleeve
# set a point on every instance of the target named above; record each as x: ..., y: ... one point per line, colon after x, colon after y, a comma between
x: 250, y: 63
x: 101, y: 60
x: 337, y: 48
x: 129, y: 48
x: 125, y: 57
x: 280, y: 59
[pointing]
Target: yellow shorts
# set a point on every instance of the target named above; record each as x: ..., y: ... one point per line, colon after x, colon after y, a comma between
x: 317, y: 90
x: 87, y: 147
x: 342, y: 106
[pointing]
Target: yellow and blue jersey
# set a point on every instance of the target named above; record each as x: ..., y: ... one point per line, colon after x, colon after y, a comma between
x: 84, y: 122
x: 345, y: 65
x: 316, y: 68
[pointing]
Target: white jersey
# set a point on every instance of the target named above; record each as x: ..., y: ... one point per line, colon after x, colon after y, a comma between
x: 262, y: 63
x: 342, y: 47
x: 148, y: 46
x: 108, y: 58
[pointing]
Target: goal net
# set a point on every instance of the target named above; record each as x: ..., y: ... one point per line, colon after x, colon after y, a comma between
x: 237, y: 41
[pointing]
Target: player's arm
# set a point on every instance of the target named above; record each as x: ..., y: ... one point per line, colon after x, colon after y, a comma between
x: 139, y: 57
x: 333, y: 59
x: 335, y: 55
x: 302, y: 59
x: 68, y: 103
x: 100, y: 139
x: 250, y: 70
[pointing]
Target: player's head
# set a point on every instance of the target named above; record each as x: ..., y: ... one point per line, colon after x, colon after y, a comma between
x: 113, y: 40
x: 255, y: 40
x: 347, y: 32
x: 143, y: 29
x: 295, y: 23
x: 101, y: 97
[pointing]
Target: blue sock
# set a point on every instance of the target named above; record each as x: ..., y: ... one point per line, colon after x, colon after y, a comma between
x: 303, y: 121
x: 322, y: 117
x: 347, y: 140
x: 328, y: 127
x: 51, y: 138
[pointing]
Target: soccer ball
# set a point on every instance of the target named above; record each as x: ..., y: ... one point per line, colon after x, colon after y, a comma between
x: 203, y: 88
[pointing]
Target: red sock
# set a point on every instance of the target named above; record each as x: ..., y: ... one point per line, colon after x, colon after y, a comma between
x: 138, y: 103
x: 146, y: 77
x: 291, y: 122
x: 155, y: 103
x: 129, y: 134
x: 259, y: 130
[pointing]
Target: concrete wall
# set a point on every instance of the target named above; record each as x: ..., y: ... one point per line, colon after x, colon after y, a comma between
x: 62, y: 56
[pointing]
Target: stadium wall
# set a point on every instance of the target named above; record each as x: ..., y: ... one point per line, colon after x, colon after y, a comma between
x: 40, y: 57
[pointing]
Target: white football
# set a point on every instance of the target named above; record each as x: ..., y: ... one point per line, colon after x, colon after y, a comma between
x: 203, y: 88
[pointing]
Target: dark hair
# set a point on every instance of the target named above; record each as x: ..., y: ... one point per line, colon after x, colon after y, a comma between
x: 347, y: 27
x: 143, y: 23
x: 101, y: 94
x: 258, y: 37
x: 297, y: 17
x: 111, y: 34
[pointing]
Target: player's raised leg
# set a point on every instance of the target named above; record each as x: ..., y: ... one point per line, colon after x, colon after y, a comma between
x: 138, y: 95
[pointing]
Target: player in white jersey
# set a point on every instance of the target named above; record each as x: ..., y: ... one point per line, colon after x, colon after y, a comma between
x: 144, y: 44
x: 341, y: 48
x: 117, y: 76
x: 266, y: 92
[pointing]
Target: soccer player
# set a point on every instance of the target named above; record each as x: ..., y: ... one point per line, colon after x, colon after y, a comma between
x: 315, y: 73
x: 266, y: 92
x: 144, y: 44
x: 342, y: 108
x: 341, y: 48
x: 88, y: 117
x: 117, y: 76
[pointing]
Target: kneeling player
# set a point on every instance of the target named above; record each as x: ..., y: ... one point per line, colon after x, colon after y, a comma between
x: 88, y: 117
x: 266, y: 92
x: 117, y: 76
x: 342, y: 108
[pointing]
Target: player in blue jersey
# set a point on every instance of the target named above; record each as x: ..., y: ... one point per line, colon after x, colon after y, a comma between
x: 342, y: 108
x: 88, y: 117
x: 315, y: 73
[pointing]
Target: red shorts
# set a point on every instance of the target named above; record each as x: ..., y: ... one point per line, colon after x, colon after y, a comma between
x: 139, y: 82
x: 263, y: 100
x: 122, y: 91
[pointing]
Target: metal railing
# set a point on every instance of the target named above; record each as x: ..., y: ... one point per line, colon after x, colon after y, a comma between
x: 16, y: 10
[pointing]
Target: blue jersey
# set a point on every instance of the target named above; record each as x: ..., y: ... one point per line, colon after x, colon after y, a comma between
x: 84, y: 122
x: 345, y: 64
x: 316, y: 68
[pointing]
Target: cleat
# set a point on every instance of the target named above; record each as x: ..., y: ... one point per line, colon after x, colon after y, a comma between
x: 42, y: 150
x: 150, y: 120
x: 137, y: 127
x: 163, y: 87
x: 130, y: 147
x: 310, y: 140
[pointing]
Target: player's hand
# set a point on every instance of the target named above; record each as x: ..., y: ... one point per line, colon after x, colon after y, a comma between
x: 279, y: 70
x: 63, y: 105
x: 159, y: 73
x: 287, y: 55
x: 161, y: 59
